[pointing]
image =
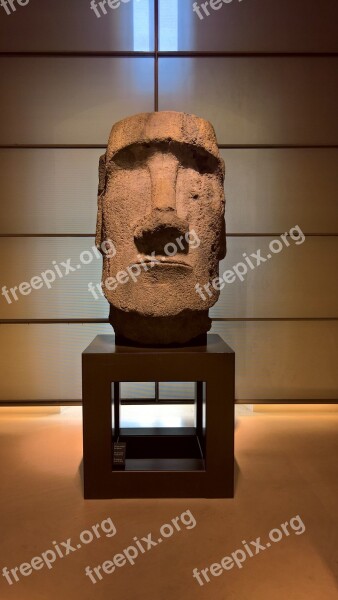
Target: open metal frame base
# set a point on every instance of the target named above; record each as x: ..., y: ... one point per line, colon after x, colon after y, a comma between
x: 190, y: 462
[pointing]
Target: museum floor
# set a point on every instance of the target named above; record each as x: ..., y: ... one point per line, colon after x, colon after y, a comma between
x: 287, y: 466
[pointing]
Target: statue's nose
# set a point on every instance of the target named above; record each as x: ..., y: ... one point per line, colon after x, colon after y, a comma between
x: 162, y: 225
x: 163, y: 173
x: 163, y: 197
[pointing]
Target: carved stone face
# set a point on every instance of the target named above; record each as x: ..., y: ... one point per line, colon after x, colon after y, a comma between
x: 161, y: 203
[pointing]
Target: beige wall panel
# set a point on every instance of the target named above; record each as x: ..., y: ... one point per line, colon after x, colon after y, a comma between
x: 300, y: 281
x: 48, y: 191
x: 281, y: 360
x: 43, y: 362
x: 268, y: 190
x: 259, y: 26
x: 71, y: 100
x: 256, y: 100
x: 284, y: 360
x: 68, y: 25
x: 68, y: 296
x: 54, y: 190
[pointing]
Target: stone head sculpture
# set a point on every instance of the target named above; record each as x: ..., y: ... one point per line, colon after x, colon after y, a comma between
x: 161, y: 204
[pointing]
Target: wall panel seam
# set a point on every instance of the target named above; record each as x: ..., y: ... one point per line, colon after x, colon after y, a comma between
x: 163, y: 54
x: 92, y: 235
x: 89, y: 321
x: 32, y: 403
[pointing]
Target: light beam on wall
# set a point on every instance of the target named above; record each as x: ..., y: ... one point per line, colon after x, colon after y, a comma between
x: 141, y: 25
x: 168, y: 24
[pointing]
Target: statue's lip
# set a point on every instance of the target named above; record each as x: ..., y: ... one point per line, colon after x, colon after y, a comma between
x: 165, y: 262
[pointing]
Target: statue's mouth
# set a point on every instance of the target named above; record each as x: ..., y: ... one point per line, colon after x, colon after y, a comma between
x: 164, y: 262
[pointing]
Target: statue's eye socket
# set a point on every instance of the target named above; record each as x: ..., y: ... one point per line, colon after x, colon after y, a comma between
x: 199, y: 160
x: 132, y: 157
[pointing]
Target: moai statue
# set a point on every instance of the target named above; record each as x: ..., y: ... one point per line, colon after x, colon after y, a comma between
x: 161, y: 203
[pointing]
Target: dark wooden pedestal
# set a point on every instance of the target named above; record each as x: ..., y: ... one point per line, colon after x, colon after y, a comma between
x: 193, y: 462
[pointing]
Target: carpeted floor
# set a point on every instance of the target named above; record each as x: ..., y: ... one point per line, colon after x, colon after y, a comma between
x: 287, y: 474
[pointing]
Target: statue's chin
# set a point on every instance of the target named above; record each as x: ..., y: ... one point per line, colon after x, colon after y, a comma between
x: 182, y: 328
x: 163, y: 300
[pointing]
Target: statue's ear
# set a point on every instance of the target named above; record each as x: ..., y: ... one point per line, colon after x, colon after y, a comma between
x: 222, y: 166
x: 223, y: 242
x: 101, y: 192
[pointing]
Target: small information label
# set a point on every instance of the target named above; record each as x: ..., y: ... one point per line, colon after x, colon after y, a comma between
x: 119, y: 455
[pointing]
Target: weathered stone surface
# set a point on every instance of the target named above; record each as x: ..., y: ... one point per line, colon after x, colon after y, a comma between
x: 161, y: 203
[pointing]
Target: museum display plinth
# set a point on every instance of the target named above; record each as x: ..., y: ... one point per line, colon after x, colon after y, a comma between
x: 195, y: 462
